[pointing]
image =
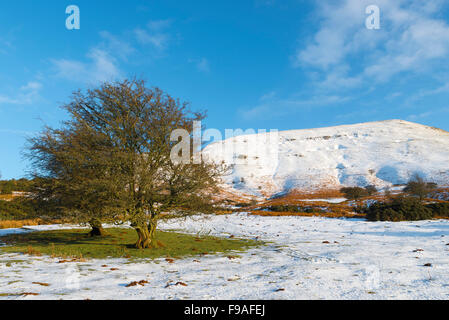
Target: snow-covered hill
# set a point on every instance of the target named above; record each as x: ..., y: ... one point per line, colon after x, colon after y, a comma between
x: 380, y: 153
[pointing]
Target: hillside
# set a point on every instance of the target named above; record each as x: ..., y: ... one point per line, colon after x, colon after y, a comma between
x: 381, y: 153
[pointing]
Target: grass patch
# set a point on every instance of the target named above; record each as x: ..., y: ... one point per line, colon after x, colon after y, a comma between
x: 118, y: 244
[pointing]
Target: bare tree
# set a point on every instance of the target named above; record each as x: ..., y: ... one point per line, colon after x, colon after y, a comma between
x: 417, y: 186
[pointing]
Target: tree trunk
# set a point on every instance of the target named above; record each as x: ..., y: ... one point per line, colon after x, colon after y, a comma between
x: 144, y: 238
x: 97, y: 228
x: 152, y: 228
x: 146, y: 234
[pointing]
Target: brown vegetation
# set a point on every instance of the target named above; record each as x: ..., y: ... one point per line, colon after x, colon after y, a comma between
x: 8, y: 197
x: 8, y: 224
x: 135, y: 283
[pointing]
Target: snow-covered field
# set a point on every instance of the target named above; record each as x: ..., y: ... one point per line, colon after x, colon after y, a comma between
x: 362, y: 260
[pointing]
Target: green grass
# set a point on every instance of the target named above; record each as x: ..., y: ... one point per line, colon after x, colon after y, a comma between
x: 118, y: 244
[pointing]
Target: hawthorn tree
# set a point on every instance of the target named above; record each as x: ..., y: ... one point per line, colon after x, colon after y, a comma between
x: 354, y: 193
x: 115, y: 152
x: 74, y: 174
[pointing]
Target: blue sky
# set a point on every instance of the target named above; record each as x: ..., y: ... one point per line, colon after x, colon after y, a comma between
x: 258, y: 64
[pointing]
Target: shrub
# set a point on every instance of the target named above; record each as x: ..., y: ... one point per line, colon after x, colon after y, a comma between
x: 16, y: 210
x: 8, y: 186
x: 370, y: 190
x: 354, y: 193
x: 290, y: 208
x: 439, y: 209
x: 361, y: 209
x: 284, y: 208
x: 399, y: 209
x: 253, y: 202
x: 418, y: 187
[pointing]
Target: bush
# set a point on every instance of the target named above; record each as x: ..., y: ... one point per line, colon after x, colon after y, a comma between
x: 354, y: 193
x: 439, y: 209
x: 363, y: 209
x: 370, y: 190
x: 419, y: 188
x: 18, y: 209
x: 8, y: 186
x: 284, y: 208
x: 246, y: 204
x: 399, y: 209
x: 295, y: 209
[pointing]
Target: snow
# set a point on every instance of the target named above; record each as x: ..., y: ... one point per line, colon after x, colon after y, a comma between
x: 329, y: 200
x: 363, y: 260
x: 383, y: 154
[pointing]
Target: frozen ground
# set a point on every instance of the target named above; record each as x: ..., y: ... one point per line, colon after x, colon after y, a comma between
x: 362, y: 260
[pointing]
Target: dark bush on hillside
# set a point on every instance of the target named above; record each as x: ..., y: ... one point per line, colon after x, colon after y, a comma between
x: 284, y: 208
x: 439, y: 209
x: 399, y: 209
x: 363, y: 209
x: 354, y: 193
x: 370, y: 190
x: 419, y: 188
x: 8, y: 186
x: 26, y: 208
x: 246, y: 204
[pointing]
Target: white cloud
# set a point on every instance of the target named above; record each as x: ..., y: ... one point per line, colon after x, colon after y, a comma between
x: 102, y: 61
x: 32, y: 86
x: 158, y: 25
x: 330, y: 43
x: 5, y: 45
x: 268, y: 96
x: 100, y: 67
x: 201, y: 64
x: 158, y: 40
x: 155, y: 34
x: 346, y: 62
x: 270, y: 105
x: 27, y: 94
x: 411, y: 39
x: 427, y: 114
x: 114, y: 44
